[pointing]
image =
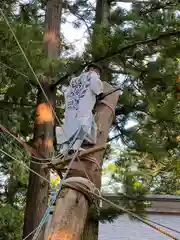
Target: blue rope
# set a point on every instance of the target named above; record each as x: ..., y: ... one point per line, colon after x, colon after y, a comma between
x: 53, y: 200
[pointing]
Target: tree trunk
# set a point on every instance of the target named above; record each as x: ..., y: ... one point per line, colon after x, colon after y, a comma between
x: 102, y: 19
x: 91, y: 230
x: 71, y: 209
x: 37, y: 194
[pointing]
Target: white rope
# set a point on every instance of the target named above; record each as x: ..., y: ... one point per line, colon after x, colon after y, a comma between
x: 23, y: 164
x: 31, y: 68
x: 19, y: 150
x: 37, y: 158
x: 59, y: 189
x: 30, y: 233
x: 13, y: 69
x: 61, y: 182
x: 145, y: 221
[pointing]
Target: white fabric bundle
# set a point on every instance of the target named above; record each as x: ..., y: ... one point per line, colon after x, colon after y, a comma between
x: 80, y: 98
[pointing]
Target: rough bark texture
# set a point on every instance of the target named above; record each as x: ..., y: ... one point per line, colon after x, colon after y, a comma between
x: 70, y: 214
x: 37, y: 195
x: 102, y: 12
x: 69, y: 217
x: 90, y: 230
x: 101, y: 18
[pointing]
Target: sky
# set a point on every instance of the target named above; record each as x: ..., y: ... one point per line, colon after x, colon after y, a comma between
x: 78, y: 35
x: 78, y: 38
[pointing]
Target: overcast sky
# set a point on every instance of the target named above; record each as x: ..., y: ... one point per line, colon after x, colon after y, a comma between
x: 78, y: 35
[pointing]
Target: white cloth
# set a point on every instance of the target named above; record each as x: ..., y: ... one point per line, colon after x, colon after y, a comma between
x: 80, y: 98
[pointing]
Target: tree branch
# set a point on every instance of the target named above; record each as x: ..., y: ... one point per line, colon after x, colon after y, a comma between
x: 123, y: 49
x: 18, y: 72
x: 117, y: 71
x: 18, y: 104
x: 73, y: 11
x: 158, y: 7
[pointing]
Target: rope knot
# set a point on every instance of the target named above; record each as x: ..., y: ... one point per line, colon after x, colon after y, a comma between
x: 82, y: 185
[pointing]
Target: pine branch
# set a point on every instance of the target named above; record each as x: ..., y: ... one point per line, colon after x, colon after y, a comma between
x: 158, y: 7
x: 123, y: 49
x: 18, y: 104
x: 113, y: 138
x: 117, y: 71
x: 74, y: 12
x: 19, y: 73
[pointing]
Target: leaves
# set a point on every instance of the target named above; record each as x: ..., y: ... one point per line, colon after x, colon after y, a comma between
x: 147, y: 154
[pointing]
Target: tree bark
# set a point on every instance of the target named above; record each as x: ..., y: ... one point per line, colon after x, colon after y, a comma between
x: 37, y: 194
x: 101, y: 18
x: 71, y: 210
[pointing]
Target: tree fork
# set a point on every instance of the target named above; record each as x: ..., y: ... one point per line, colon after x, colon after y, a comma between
x: 71, y: 210
x: 37, y: 194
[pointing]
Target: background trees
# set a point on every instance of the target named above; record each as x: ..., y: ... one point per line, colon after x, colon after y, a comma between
x: 141, y: 51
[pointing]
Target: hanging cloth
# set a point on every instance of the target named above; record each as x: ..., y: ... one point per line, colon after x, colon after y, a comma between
x: 80, y: 98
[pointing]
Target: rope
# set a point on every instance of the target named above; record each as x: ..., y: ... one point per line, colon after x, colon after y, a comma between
x: 81, y: 189
x: 31, y: 68
x: 164, y: 226
x: 145, y: 221
x: 137, y: 217
x: 81, y: 183
x: 67, y: 171
x: 13, y: 69
x: 94, y: 194
x: 23, y: 164
x: 19, y: 150
x: 27, y: 147
x: 59, y: 189
x: 109, y: 106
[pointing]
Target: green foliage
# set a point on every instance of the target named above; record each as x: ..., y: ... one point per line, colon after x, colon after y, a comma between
x: 11, y: 219
x: 150, y: 161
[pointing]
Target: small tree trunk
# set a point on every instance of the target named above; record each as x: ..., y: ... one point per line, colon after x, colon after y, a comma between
x: 71, y: 210
x: 37, y: 195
